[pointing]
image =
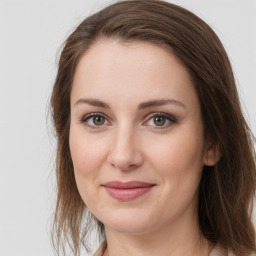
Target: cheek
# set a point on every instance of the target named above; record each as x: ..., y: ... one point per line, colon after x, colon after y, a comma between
x: 86, y: 152
x: 178, y: 162
x: 178, y: 151
x: 178, y: 159
x: 87, y: 155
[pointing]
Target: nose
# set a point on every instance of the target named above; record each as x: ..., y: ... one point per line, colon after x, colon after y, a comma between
x: 125, y: 152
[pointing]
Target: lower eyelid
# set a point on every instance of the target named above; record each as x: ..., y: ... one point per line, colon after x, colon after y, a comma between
x: 169, y: 118
x: 91, y: 115
x: 162, y: 126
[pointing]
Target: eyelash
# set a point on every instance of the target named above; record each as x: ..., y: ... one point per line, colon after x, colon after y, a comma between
x: 167, y: 117
x: 85, y: 118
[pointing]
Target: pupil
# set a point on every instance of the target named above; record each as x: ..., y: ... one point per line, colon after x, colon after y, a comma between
x: 159, y: 120
x: 98, y: 120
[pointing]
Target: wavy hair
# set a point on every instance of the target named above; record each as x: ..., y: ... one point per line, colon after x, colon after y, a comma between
x: 226, y: 190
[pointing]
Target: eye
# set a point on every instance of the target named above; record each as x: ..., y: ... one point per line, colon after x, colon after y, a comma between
x: 160, y: 120
x: 95, y: 120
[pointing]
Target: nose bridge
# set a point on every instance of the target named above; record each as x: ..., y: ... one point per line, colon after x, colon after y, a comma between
x: 125, y: 135
x: 125, y: 153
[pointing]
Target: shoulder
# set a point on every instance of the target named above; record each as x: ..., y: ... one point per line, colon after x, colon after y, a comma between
x: 101, y: 249
x: 218, y: 251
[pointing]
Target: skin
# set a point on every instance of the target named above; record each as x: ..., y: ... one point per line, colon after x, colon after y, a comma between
x: 129, y: 145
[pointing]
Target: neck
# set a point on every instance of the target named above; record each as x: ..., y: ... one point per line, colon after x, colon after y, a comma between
x: 183, y: 238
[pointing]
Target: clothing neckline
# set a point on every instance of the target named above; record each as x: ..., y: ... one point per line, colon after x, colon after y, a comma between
x: 216, y: 251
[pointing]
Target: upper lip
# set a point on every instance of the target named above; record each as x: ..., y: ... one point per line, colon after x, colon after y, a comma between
x: 130, y: 184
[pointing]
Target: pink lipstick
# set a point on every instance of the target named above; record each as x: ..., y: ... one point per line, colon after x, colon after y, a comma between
x: 127, y: 190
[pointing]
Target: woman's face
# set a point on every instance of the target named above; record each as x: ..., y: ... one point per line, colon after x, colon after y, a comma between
x: 136, y: 137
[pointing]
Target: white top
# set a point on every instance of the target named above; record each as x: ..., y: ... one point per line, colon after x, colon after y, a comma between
x: 217, y: 251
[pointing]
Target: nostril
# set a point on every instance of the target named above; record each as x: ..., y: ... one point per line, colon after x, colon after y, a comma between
x: 125, y: 153
x: 125, y: 160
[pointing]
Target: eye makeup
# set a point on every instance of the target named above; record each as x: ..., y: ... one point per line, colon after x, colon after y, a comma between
x: 157, y: 120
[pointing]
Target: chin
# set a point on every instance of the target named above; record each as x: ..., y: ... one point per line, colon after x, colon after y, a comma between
x: 129, y: 223
x: 127, y: 228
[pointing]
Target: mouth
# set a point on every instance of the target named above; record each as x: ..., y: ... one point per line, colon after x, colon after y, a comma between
x: 127, y: 190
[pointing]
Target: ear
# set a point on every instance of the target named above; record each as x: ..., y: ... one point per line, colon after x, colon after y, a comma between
x: 211, y: 154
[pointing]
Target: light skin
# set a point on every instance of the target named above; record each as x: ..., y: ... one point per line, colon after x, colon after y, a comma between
x: 146, y: 125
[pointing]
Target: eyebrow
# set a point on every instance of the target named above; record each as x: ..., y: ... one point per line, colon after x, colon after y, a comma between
x: 92, y: 102
x: 142, y: 105
x: 160, y: 102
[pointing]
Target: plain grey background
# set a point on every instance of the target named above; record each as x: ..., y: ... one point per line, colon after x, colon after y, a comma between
x: 31, y: 32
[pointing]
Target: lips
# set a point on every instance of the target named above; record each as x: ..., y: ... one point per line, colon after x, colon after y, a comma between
x: 127, y: 190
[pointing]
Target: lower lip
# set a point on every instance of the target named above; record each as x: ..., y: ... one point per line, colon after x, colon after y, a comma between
x: 127, y: 193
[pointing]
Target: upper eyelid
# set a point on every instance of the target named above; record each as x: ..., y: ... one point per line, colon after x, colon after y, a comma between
x: 90, y: 115
x: 93, y: 114
x: 161, y: 114
x: 152, y: 114
x: 171, y: 118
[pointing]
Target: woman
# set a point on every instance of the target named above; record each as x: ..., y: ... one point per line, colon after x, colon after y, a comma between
x: 152, y: 143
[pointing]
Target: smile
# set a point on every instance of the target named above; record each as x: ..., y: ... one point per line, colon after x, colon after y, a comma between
x: 127, y: 190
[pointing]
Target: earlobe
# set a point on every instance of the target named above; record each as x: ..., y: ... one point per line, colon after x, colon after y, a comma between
x: 212, y: 155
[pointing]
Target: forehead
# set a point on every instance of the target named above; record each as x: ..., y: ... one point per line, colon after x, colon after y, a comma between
x: 139, y: 56
x: 137, y: 70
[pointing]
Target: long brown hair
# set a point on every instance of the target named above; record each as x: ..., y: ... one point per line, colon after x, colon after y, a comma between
x: 226, y: 190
